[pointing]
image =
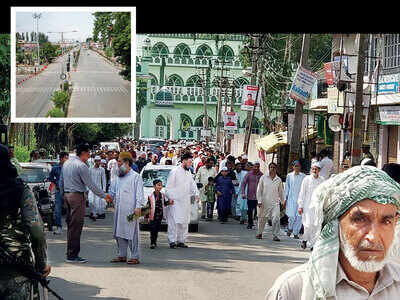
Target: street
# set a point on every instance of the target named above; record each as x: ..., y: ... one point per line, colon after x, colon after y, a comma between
x: 33, y: 96
x: 98, y: 89
x: 223, y: 261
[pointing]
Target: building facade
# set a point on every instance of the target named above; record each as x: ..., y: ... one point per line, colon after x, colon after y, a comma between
x: 181, y: 69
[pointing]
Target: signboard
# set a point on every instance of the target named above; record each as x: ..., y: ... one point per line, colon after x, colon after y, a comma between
x: 388, y: 87
x: 302, y: 85
x: 389, y: 114
x: 249, y: 98
x: 230, y: 121
x: 205, y: 132
x: 329, y: 73
x: 335, y: 107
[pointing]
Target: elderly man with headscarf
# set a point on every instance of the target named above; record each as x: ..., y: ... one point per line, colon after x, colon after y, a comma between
x: 357, y: 214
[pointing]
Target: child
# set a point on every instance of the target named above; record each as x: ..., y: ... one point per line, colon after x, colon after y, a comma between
x: 156, y: 202
x: 210, y: 194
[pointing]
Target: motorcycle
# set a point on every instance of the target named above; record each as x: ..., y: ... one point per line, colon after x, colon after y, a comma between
x: 45, y: 205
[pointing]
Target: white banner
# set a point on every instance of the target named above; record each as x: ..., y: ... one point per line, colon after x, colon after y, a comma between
x: 230, y: 121
x: 302, y: 85
x: 249, y: 98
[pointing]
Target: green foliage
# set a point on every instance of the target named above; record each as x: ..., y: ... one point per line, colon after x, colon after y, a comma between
x: 48, y: 51
x: 108, y: 51
x: 21, y: 153
x: 55, y: 112
x: 60, y: 98
x: 5, y: 65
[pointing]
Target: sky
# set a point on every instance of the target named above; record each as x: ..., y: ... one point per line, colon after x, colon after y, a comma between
x: 57, y: 22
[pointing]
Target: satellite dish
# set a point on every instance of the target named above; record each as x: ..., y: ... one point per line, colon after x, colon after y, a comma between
x: 333, y: 123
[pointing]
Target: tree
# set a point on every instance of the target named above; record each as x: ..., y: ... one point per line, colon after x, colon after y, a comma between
x: 121, y: 35
x: 5, y: 64
x: 102, y: 27
x: 23, y: 36
x: 32, y: 36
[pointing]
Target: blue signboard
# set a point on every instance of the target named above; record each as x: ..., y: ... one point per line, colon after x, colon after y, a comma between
x: 388, y: 87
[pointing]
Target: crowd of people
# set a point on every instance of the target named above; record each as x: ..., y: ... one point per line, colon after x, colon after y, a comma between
x: 358, y: 201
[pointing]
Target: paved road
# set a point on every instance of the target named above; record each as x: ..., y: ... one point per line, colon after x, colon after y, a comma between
x: 98, y: 89
x: 224, y: 262
x: 33, y: 96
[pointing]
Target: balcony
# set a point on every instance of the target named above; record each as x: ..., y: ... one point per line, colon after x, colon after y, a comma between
x: 199, y: 36
x: 194, y: 95
x: 193, y: 61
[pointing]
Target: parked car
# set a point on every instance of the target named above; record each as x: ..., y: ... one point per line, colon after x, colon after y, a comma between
x: 35, y: 174
x: 110, y: 145
x: 161, y: 172
x: 152, y: 143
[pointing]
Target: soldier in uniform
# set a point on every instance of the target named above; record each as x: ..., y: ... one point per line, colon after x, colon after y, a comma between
x: 21, y: 234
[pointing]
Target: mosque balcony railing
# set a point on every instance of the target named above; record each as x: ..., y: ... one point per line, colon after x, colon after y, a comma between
x: 200, y: 36
x: 194, y: 60
x: 194, y: 95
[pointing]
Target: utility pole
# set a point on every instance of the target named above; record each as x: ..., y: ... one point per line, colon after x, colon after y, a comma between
x: 298, y: 114
x: 205, y: 84
x: 249, y: 120
x: 232, y: 110
x: 219, y: 106
x: 357, y: 135
x: 37, y: 16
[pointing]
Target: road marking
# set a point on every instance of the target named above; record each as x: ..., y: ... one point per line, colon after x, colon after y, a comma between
x: 21, y: 89
x: 100, y: 90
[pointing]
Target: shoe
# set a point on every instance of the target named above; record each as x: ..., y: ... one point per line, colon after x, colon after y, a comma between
x: 269, y: 222
x: 259, y: 236
x: 133, y: 261
x: 182, y: 245
x: 172, y: 245
x: 242, y: 222
x: 153, y: 246
x: 203, y: 217
x: 58, y: 230
x: 118, y: 259
x: 296, y: 237
x: 289, y: 232
x: 311, y: 249
x: 76, y: 260
x: 92, y: 217
x: 303, y: 245
x: 249, y: 227
x: 101, y: 216
x: 276, y: 239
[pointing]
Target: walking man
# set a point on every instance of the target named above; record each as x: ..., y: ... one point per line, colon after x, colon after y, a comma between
x: 97, y: 205
x: 73, y: 182
x: 270, y: 198
x: 225, y: 191
x: 241, y: 204
x: 179, y: 188
x: 250, y: 182
x: 54, y: 177
x: 128, y: 196
x: 308, y: 186
x: 292, y: 190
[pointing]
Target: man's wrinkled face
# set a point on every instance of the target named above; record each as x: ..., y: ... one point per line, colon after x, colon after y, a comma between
x: 315, y: 171
x: 366, y: 234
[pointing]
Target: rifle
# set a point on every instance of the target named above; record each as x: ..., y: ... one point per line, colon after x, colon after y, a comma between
x: 28, y: 271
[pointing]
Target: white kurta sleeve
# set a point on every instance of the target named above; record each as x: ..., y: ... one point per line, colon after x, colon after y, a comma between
x: 287, y: 187
x: 103, y: 180
x: 195, y: 190
x: 260, y: 190
x: 140, y: 200
x: 281, y: 192
x: 303, y: 192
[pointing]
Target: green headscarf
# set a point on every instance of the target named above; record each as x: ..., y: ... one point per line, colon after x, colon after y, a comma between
x: 330, y: 201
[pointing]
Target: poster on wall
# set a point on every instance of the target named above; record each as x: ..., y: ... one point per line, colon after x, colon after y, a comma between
x: 230, y: 121
x: 249, y: 98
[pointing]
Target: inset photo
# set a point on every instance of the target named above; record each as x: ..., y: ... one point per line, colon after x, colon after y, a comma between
x: 73, y: 64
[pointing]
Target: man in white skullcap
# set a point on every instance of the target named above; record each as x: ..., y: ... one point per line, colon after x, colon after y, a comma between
x: 357, y: 214
x: 97, y: 205
x: 308, y: 186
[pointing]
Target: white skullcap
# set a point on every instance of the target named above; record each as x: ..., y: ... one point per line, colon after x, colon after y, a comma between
x: 224, y: 169
x: 244, y: 156
x: 316, y: 164
x: 97, y: 157
x: 103, y: 161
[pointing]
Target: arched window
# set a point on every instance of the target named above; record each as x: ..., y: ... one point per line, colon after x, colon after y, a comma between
x: 154, y: 80
x: 175, y: 80
x: 182, y: 50
x: 226, y: 52
x: 256, y: 123
x: 199, y: 122
x: 195, y: 81
x: 159, y: 50
x: 239, y: 82
x: 204, y: 50
x: 160, y: 121
x: 186, y: 122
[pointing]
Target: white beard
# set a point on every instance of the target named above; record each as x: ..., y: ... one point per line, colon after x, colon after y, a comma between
x: 368, y: 266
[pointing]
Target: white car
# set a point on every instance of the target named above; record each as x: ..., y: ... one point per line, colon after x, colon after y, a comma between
x: 110, y: 145
x: 35, y: 174
x: 161, y: 172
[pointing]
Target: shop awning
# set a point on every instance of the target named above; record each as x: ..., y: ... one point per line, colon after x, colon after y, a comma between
x: 319, y: 104
x: 275, y: 140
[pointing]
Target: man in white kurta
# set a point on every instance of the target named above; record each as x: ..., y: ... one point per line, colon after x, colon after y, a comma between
x: 308, y: 186
x: 292, y: 190
x: 128, y: 196
x: 202, y: 177
x: 180, y: 187
x: 327, y: 166
x: 269, y: 198
x: 112, y: 166
x: 97, y: 204
x: 241, y: 204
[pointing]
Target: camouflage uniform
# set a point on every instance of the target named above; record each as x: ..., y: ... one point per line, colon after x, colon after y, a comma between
x: 21, y: 234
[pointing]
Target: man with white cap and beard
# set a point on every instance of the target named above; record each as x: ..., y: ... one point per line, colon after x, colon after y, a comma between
x: 357, y: 214
x: 180, y: 187
x: 308, y: 186
x: 97, y: 205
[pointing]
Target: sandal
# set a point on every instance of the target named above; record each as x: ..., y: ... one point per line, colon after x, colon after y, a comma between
x: 133, y: 261
x: 118, y: 259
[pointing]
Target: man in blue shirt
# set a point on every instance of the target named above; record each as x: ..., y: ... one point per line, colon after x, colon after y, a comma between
x: 54, y: 177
